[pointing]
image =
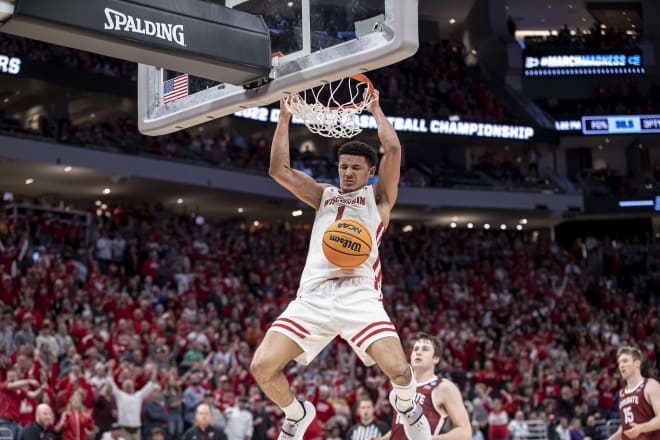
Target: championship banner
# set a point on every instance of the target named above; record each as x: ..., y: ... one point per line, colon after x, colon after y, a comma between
x: 414, y: 125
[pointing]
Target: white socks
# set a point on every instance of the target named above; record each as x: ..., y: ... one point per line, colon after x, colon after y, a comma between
x: 405, y: 394
x: 295, y: 411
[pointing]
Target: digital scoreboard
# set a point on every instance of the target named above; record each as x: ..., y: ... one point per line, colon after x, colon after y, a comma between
x: 621, y: 124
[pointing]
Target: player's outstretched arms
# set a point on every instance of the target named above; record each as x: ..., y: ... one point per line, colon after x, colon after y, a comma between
x: 389, y: 171
x: 300, y: 184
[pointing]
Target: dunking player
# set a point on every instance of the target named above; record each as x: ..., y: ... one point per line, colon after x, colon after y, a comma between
x: 639, y: 399
x: 333, y: 301
x: 440, y: 398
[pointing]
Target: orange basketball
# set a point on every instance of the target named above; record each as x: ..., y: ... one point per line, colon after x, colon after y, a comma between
x: 347, y: 243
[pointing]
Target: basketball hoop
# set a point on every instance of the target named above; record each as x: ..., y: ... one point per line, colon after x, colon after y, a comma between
x: 332, y: 109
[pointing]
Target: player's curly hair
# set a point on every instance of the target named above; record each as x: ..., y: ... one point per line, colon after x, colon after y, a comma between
x: 357, y: 148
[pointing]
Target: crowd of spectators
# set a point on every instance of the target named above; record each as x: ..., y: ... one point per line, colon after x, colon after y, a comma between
x: 437, y: 83
x: 609, y: 182
x: 172, y: 308
x: 251, y: 153
x: 612, y: 96
x: 39, y: 51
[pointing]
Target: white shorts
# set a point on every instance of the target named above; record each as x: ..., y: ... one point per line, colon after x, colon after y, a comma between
x: 348, y: 307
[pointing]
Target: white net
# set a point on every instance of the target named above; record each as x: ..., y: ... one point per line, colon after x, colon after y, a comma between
x: 332, y: 109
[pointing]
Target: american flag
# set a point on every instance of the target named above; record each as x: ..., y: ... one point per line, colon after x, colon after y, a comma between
x: 175, y: 88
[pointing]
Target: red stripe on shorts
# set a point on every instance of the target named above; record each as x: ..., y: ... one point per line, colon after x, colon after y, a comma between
x: 295, y: 324
x: 376, y: 263
x: 378, y: 278
x: 369, y: 327
x: 286, y: 327
x: 379, y: 234
x: 340, y: 212
x: 375, y: 332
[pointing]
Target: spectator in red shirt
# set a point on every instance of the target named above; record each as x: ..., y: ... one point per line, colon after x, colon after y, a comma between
x: 150, y: 265
x: 76, y: 422
x: 12, y: 392
x: 324, y: 409
x: 28, y: 310
x: 498, y: 421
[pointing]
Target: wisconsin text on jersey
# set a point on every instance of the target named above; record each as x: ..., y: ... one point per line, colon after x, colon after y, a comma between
x: 344, y: 201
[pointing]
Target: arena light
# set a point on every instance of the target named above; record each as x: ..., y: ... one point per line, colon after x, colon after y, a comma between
x: 523, y: 221
x: 179, y: 201
x: 106, y: 191
x: 635, y: 203
x: 452, y: 225
x: 240, y: 210
x: 67, y: 169
x: 407, y: 228
x: 519, y: 227
x: 297, y: 213
x: 255, y: 223
x: 29, y: 181
x: 503, y: 227
x: 486, y: 226
x: 98, y: 203
x: 470, y: 226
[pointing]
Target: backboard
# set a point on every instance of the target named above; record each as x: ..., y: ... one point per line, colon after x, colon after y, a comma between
x: 313, y: 42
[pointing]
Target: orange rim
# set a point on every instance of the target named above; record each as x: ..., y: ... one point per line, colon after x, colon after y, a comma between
x: 362, y: 79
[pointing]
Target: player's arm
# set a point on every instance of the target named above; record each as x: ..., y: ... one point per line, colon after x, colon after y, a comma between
x: 387, y: 187
x: 616, y: 435
x: 299, y: 183
x: 652, y: 394
x: 450, y: 397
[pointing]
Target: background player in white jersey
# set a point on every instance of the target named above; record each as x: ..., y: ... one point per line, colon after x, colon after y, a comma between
x: 333, y: 301
x: 639, y: 399
x: 440, y: 398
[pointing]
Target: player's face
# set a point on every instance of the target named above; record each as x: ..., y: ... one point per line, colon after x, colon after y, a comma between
x: 628, y: 366
x: 354, y: 172
x: 422, y: 355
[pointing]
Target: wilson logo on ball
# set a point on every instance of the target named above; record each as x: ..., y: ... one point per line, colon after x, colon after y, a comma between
x: 347, y: 243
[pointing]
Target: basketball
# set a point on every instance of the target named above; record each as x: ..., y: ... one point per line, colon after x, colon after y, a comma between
x: 347, y: 243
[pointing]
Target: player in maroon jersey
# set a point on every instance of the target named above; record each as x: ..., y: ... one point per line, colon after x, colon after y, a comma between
x: 440, y: 399
x: 639, y: 399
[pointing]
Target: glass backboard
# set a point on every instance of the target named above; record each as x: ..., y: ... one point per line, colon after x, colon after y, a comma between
x: 312, y: 41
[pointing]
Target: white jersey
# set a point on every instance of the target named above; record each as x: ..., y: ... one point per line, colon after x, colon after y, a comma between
x: 358, y: 205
